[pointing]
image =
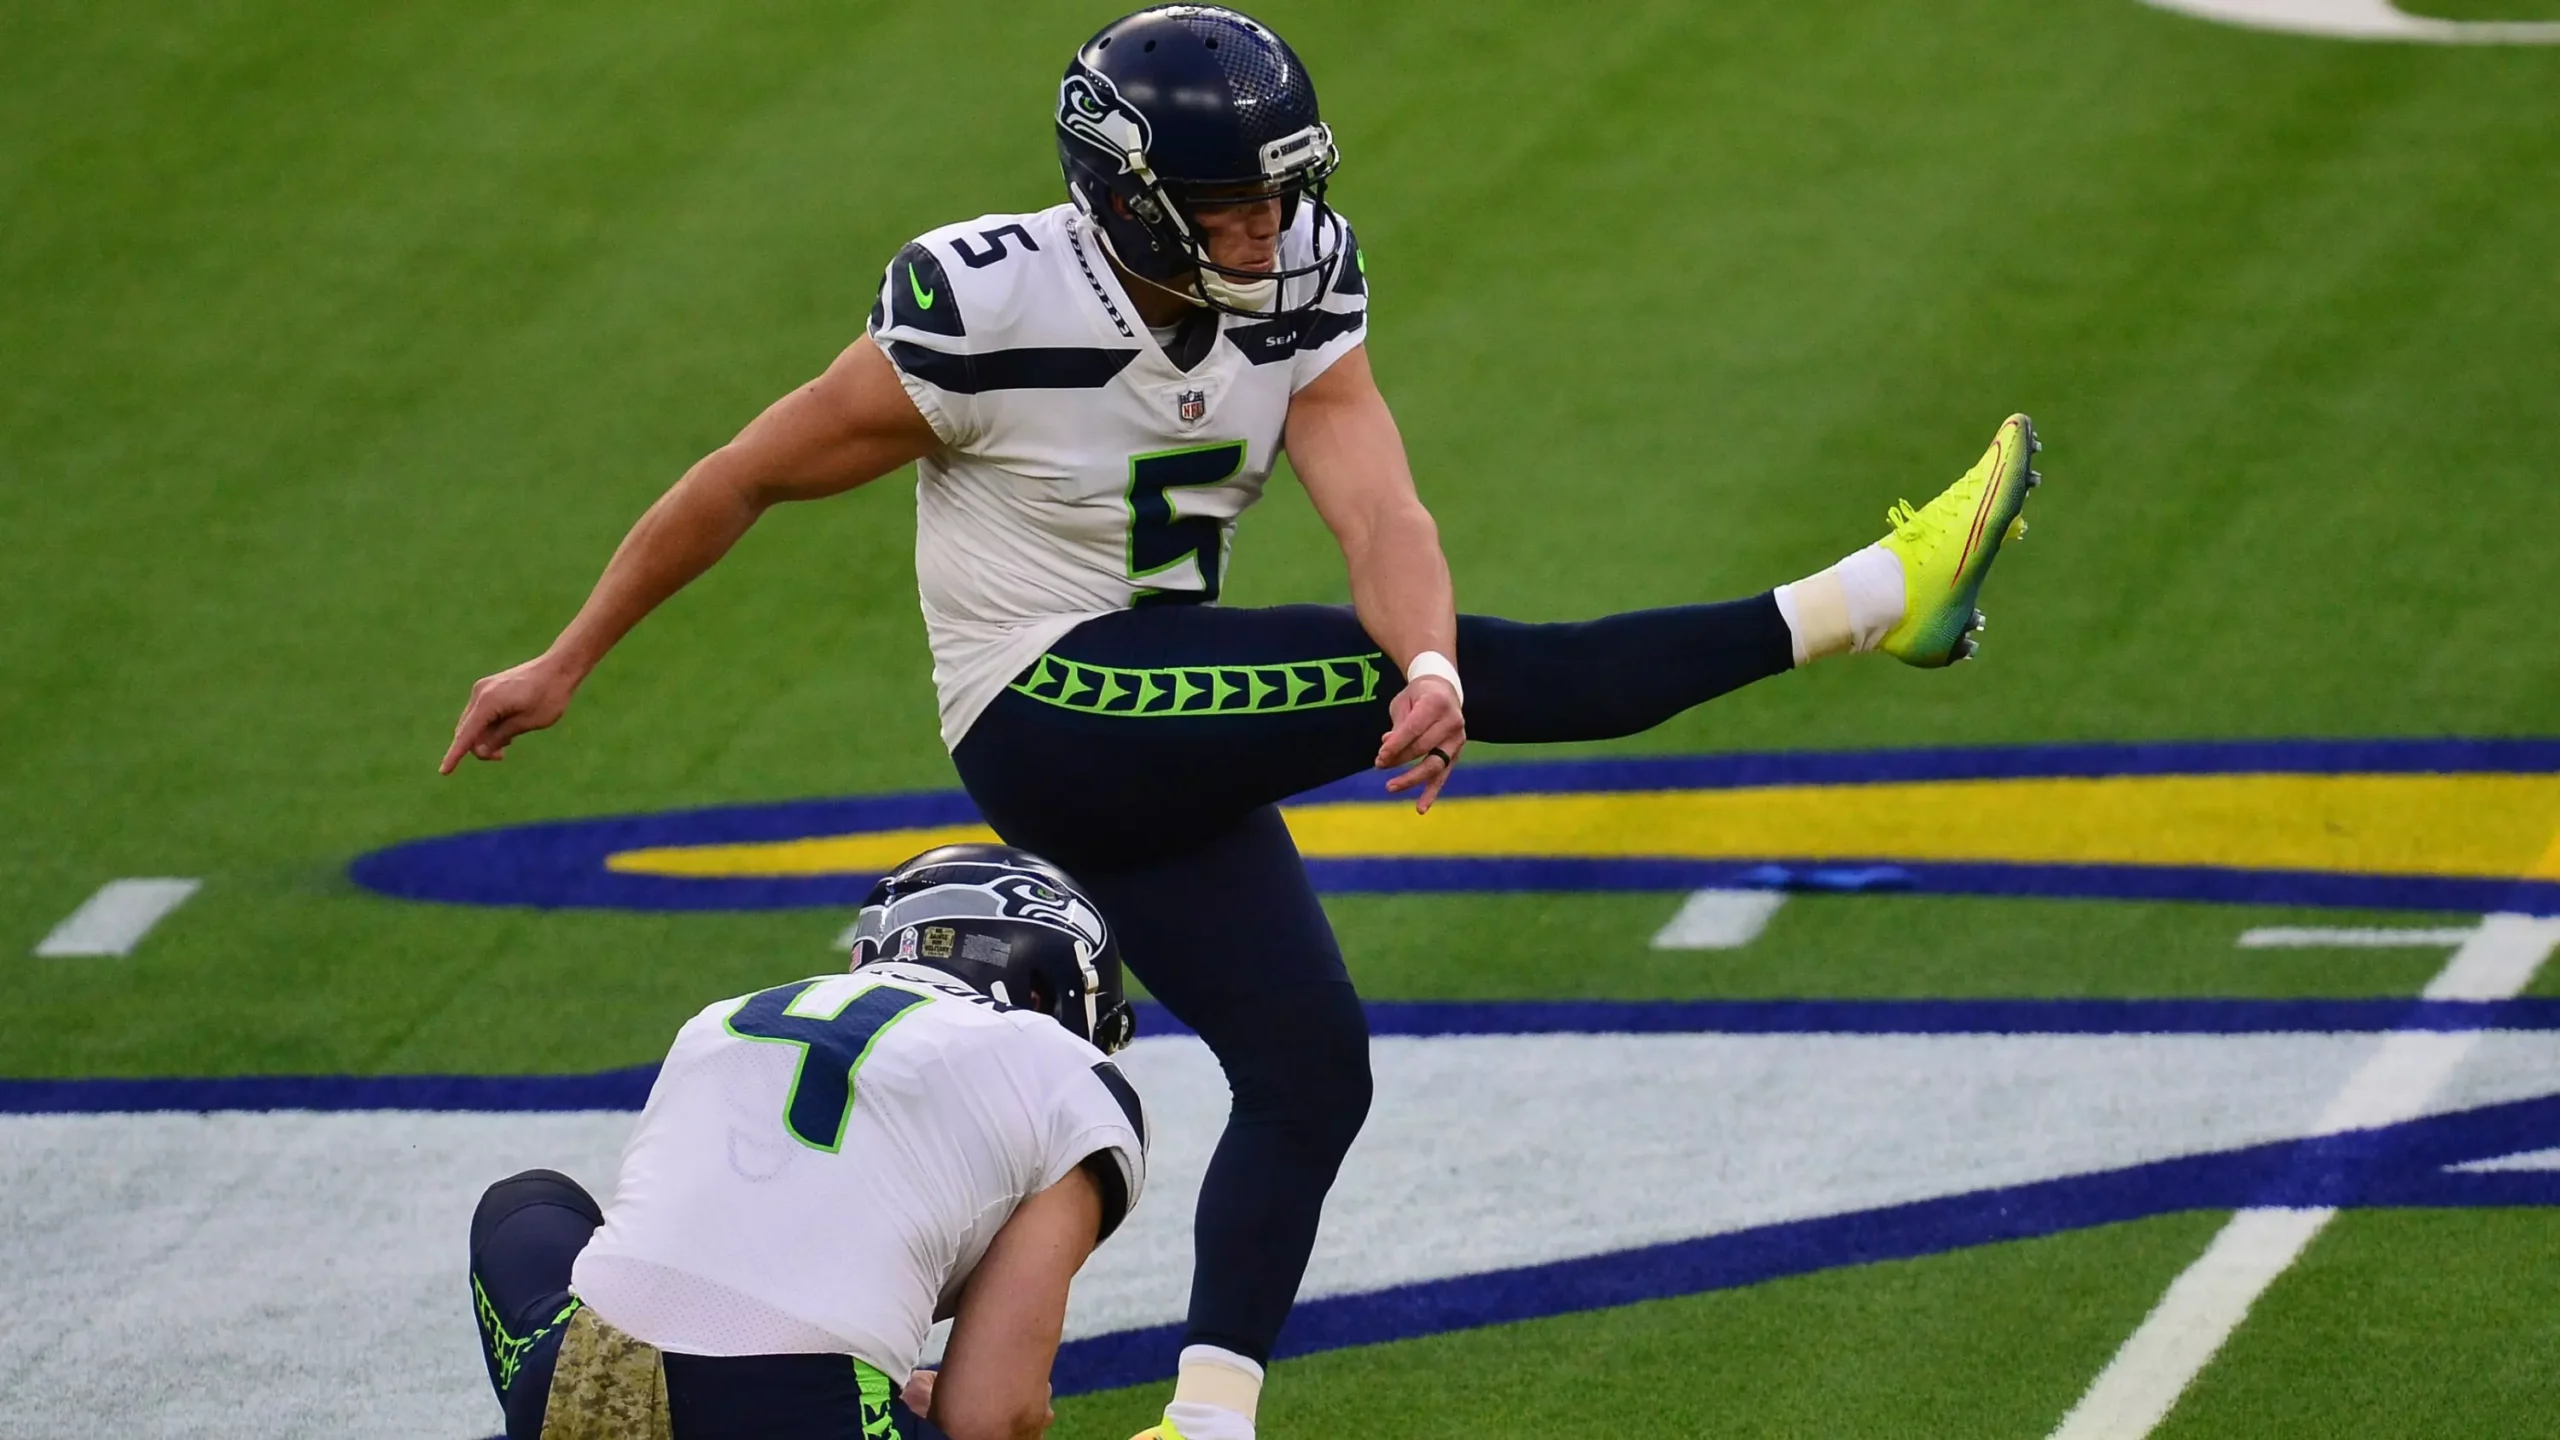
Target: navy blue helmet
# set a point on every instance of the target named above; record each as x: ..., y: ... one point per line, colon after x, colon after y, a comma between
x: 1008, y: 924
x: 1182, y: 107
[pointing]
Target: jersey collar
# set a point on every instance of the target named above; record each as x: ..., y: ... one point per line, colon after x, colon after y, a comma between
x: 1120, y: 313
x: 1116, y: 311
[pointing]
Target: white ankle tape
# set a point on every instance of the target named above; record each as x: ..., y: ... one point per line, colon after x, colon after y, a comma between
x: 1871, y: 582
x: 1211, y: 1376
x: 1817, y: 614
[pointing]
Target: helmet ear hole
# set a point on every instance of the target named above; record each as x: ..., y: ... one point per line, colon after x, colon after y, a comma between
x: 1117, y: 1031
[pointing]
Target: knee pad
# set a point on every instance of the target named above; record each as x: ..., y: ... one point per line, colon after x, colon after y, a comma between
x: 522, y: 1192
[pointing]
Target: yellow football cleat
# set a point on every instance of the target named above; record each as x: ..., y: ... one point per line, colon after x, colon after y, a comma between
x: 1947, y: 546
x: 1161, y: 1430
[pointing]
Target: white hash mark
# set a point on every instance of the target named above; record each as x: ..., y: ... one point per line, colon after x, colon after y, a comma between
x: 115, y: 919
x: 2286, y: 937
x: 1720, y: 920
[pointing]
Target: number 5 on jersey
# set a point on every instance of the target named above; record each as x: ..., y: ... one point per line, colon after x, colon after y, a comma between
x: 1159, y: 541
x: 832, y: 1045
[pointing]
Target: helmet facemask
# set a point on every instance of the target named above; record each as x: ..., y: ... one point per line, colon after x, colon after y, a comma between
x: 1295, y: 171
x: 1149, y: 221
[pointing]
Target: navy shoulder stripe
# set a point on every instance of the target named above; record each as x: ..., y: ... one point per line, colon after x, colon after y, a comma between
x: 1127, y: 1094
x: 1032, y: 367
x: 1114, y: 1189
x: 920, y: 295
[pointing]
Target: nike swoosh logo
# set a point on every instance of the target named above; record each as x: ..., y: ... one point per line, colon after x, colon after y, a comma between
x: 1981, y: 511
x: 924, y: 297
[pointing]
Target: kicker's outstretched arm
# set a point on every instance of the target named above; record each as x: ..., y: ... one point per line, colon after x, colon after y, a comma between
x: 843, y: 429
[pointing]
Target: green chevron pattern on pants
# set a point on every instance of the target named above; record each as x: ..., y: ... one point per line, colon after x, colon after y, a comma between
x: 1203, y: 689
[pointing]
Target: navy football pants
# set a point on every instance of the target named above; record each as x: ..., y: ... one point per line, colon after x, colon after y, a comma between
x: 526, y: 1235
x: 1146, y: 753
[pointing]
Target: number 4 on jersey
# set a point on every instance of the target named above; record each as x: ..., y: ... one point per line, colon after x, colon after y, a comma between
x: 832, y: 1046
x: 1159, y: 541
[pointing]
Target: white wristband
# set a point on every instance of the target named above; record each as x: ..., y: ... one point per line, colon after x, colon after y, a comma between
x: 1438, y: 666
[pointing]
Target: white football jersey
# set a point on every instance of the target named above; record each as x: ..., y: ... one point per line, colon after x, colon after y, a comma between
x: 1082, y: 469
x: 821, y: 1165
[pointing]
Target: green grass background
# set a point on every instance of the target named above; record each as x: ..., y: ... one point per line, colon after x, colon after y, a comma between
x: 343, y: 341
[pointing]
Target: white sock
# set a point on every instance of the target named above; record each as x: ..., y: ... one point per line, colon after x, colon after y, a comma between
x: 1216, y: 1395
x: 1848, y: 607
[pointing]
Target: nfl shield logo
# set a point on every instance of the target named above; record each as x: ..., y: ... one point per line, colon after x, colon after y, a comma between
x: 1191, y: 405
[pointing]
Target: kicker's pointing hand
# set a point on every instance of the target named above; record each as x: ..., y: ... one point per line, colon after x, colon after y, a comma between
x: 532, y: 696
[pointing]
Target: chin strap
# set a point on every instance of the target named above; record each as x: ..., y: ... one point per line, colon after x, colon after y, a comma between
x: 1253, y: 295
x: 1092, y: 977
x: 1102, y: 237
x: 1187, y: 297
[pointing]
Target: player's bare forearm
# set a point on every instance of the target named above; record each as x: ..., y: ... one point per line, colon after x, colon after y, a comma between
x: 1400, y: 584
x: 846, y: 428
x: 1345, y: 447
x: 994, y: 1381
x: 849, y: 426
x: 1344, y: 444
x: 685, y: 533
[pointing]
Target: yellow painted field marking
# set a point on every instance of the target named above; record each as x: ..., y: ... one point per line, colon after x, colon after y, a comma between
x: 2548, y: 867
x: 864, y: 854
x: 2489, y: 825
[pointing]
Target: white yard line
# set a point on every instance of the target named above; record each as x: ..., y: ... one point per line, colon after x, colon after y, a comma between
x: 2205, y: 1304
x: 115, y: 919
x: 2530, y: 1160
x: 2287, y: 937
x: 2365, y: 20
x: 1720, y: 920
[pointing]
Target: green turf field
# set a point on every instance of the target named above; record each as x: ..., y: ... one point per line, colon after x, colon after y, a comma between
x: 343, y: 342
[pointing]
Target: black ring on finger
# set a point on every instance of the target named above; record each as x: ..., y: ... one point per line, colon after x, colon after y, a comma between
x: 1447, y: 761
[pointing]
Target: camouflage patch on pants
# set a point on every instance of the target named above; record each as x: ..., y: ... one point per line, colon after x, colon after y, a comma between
x: 606, y: 1386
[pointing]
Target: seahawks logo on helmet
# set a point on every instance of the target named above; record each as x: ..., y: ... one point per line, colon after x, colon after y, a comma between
x: 1090, y: 108
x: 1024, y: 898
x: 1011, y: 897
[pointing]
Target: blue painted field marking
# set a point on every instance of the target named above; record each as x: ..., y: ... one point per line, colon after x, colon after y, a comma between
x: 2434, y: 1161
x: 2398, y: 1166
x: 490, y: 1094
x: 565, y: 863
x: 628, y: 1089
